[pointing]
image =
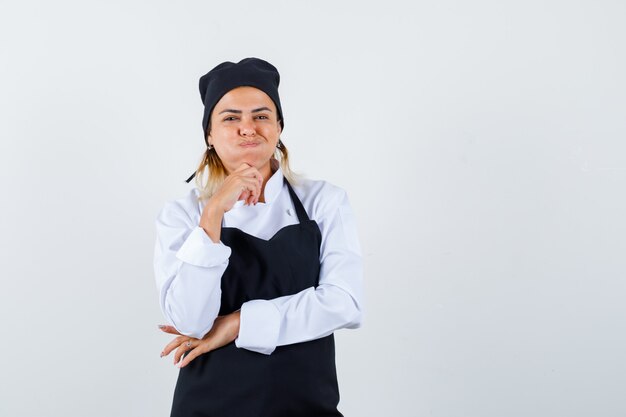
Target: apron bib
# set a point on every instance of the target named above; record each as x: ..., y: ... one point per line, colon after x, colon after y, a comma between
x: 295, y: 380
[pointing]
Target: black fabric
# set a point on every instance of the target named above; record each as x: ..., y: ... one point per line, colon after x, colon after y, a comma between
x: 295, y: 380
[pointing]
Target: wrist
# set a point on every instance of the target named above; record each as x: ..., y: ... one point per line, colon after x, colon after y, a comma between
x: 211, y: 222
x: 236, y: 323
x: 212, y: 211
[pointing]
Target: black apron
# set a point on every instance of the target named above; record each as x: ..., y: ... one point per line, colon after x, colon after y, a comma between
x: 295, y: 380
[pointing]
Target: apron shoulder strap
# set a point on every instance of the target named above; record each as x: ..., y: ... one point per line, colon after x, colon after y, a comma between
x: 302, y: 215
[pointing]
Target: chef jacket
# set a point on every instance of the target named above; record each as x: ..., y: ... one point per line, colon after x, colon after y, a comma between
x: 188, y: 267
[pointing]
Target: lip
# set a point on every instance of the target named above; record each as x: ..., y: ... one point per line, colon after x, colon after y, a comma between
x: 249, y: 144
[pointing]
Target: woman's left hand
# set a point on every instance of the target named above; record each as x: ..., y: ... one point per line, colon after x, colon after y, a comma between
x: 225, y: 329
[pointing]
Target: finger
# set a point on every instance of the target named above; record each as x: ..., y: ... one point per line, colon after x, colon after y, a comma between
x: 244, y: 195
x: 251, y: 190
x: 243, y: 167
x: 193, y: 354
x: 254, y: 173
x: 168, y: 329
x: 184, y: 347
x: 254, y: 196
x: 254, y: 184
x: 172, y: 345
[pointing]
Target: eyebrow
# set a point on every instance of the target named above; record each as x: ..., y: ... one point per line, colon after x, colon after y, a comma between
x: 239, y: 111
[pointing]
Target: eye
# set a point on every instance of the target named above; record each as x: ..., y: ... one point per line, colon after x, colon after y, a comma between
x: 229, y: 118
x: 264, y: 117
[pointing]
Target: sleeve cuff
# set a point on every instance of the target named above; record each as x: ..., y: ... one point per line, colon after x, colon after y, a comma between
x: 259, y: 325
x: 198, y: 249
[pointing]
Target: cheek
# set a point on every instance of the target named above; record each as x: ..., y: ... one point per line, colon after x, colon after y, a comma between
x: 272, y: 132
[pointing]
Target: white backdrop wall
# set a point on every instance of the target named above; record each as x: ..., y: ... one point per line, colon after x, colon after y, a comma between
x: 481, y: 144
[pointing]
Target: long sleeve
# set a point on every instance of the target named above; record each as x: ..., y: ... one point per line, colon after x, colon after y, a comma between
x: 336, y: 303
x: 188, y: 268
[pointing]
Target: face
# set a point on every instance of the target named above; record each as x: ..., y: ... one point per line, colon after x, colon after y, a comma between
x: 245, y: 128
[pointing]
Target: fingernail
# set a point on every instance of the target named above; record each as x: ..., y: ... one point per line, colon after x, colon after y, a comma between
x: 161, y: 326
x: 162, y: 353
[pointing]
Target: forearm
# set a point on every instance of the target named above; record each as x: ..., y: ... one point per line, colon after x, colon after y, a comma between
x: 310, y: 314
x: 191, y: 301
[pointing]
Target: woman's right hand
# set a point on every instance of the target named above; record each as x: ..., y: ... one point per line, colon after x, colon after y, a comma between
x: 243, y: 184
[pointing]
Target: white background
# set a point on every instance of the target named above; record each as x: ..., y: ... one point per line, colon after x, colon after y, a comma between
x: 481, y: 144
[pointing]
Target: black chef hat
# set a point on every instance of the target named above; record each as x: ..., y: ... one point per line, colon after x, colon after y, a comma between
x: 253, y: 72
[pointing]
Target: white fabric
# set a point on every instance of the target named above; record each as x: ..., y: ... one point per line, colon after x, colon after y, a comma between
x: 188, y: 267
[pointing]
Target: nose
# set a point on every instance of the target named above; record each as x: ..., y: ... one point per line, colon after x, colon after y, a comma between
x: 247, y: 128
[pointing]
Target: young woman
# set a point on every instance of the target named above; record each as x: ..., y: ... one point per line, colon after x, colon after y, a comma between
x: 255, y: 268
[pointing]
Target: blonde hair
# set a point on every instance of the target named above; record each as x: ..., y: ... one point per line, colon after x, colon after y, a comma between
x: 212, y: 166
